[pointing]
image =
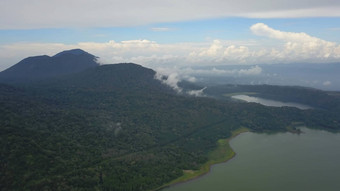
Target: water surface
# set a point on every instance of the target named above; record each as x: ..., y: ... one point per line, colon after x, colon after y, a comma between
x: 309, y: 161
x: 268, y: 102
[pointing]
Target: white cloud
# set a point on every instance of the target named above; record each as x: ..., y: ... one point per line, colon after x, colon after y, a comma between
x: 173, y: 76
x: 215, y: 49
x: 197, y: 93
x: 254, y: 70
x: 240, y: 53
x: 23, y: 14
x: 298, y: 46
x: 327, y: 83
x: 171, y: 80
x: 222, y: 52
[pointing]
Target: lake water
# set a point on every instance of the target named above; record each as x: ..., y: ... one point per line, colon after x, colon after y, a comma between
x: 280, y: 162
x: 268, y: 102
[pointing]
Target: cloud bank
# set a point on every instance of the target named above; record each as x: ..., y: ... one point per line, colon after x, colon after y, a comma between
x: 293, y: 47
x: 23, y: 14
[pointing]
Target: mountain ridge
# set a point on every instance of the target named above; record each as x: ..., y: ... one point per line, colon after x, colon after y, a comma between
x: 72, y: 51
x: 37, y: 68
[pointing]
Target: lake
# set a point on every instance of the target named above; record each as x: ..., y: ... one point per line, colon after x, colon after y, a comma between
x: 268, y: 102
x: 284, y: 161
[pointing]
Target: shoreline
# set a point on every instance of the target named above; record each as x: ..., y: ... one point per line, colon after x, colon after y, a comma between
x: 215, y: 158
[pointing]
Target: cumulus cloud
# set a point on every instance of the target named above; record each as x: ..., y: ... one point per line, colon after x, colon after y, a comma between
x: 222, y: 52
x: 295, y: 47
x: 23, y: 14
x: 239, y: 52
x: 298, y: 45
x: 214, y: 50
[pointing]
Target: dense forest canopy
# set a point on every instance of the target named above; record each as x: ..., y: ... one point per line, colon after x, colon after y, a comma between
x: 116, y: 127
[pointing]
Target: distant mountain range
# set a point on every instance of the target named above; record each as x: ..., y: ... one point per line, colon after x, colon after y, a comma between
x: 38, y: 68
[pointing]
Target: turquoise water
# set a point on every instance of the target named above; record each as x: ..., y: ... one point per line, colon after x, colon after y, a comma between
x: 280, y: 162
x: 268, y: 102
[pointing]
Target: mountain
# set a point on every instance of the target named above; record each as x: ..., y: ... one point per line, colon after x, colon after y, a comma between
x: 125, y: 76
x: 43, y: 67
x: 116, y: 127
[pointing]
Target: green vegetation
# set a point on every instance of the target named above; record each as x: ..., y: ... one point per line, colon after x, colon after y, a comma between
x: 117, y: 128
x: 308, y: 96
x: 222, y: 153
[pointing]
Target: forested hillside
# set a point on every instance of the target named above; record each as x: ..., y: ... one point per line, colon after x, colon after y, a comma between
x: 116, y: 127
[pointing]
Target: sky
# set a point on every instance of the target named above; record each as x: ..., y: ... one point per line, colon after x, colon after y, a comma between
x: 167, y: 34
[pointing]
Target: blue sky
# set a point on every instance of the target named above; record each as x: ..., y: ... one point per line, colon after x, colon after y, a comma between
x: 186, y: 31
x: 173, y: 33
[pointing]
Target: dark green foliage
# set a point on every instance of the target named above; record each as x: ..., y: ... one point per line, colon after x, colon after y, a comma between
x: 309, y: 96
x: 117, y: 128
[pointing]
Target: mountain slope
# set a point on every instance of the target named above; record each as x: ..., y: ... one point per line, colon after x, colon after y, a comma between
x: 113, y: 76
x: 115, y: 127
x: 43, y: 67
